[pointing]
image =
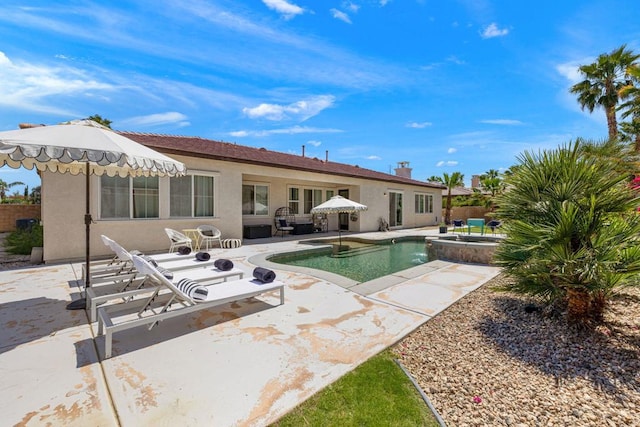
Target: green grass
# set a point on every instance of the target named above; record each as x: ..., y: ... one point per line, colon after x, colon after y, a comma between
x: 377, y: 393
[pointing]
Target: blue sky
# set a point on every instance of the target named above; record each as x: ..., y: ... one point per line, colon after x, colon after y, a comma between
x: 448, y: 86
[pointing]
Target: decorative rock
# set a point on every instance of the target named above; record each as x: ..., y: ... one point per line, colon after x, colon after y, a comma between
x: 528, y: 368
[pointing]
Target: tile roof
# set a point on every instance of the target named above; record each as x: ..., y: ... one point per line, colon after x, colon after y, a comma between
x: 205, y: 148
x: 458, y: 191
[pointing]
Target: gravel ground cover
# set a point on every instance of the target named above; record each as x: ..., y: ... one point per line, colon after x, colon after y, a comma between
x: 486, y: 361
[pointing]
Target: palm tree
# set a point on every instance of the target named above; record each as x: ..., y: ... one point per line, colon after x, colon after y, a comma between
x: 603, y: 81
x: 490, y: 181
x: 456, y: 179
x: 99, y: 119
x: 572, y: 229
x: 35, y: 196
x: 631, y: 108
x: 4, y: 186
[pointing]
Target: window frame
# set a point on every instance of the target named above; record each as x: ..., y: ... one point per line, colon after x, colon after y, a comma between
x: 254, y: 185
x: 192, y: 197
x: 163, y: 195
x: 427, y: 203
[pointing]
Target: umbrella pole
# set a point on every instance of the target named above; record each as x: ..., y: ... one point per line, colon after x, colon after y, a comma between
x: 81, y: 303
x: 87, y: 228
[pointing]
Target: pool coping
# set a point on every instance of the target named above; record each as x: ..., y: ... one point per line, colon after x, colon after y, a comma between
x: 362, y: 288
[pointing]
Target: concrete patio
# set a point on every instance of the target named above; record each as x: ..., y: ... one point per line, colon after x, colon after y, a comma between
x: 241, y: 364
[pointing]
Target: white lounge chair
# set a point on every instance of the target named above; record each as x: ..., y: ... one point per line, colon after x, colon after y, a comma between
x: 178, y: 239
x: 104, y: 270
x: 131, y: 283
x: 172, y: 299
x: 209, y: 235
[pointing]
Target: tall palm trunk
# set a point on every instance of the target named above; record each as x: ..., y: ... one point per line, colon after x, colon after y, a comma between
x: 612, y: 122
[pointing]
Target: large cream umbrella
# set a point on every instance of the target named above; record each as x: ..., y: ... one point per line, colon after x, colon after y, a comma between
x: 338, y: 204
x: 83, y: 147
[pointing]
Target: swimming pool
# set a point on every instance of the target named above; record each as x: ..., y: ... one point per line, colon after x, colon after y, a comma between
x: 362, y: 261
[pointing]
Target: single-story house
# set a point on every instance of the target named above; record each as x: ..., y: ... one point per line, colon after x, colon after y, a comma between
x: 229, y: 186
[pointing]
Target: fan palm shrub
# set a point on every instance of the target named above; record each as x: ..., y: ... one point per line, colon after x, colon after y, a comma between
x: 572, y: 226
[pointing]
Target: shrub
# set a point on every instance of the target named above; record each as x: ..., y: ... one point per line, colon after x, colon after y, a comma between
x: 572, y: 227
x: 20, y: 242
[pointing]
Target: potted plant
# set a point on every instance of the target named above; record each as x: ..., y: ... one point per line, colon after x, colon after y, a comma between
x: 443, y: 228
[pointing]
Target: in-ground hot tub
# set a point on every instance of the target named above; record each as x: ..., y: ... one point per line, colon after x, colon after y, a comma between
x: 463, y: 248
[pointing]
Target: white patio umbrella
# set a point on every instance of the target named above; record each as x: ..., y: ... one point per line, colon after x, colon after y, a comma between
x: 338, y: 204
x: 83, y: 147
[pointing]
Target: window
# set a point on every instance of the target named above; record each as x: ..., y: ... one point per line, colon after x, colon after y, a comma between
x: 191, y: 195
x: 424, y: 203
x: 294, y: 200
x: 312, y: 198
x: 129, y: 197
x: 203, y: 195
x: 114, y: 197
x: 180, y: 196
x: 255, y: 200
x: 145, y: 197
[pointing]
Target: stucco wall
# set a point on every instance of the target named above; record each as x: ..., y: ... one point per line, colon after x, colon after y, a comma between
x: 63, y: 201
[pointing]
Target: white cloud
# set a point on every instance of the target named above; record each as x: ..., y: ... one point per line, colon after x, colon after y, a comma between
x: 170, y: 117
x: 416, y: 125
x: 384, y: 2
x: 338, y: 14
x: 314, y: 143
x: 286, y: 9
x: 571, y: 71
x: 350, y: 6
x: 373, y: 157
x: 31, y: 87
x: 446, y: 163
x: 452, y: 150
x: 455, y: 60
x: 508, y: 122
x: 239, y: 133
x: 492, y: 30
x: 285, y: 131
x: 300, y: 110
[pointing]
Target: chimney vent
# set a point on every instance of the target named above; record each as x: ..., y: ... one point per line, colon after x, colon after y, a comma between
x: 403, y: 170
x: 303, y: 151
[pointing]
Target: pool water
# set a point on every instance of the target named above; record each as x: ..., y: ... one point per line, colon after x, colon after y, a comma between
x: 362, y: 261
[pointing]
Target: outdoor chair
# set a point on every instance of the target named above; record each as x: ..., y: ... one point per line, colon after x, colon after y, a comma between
x: 494, y: 225
x: 284, y: 220
x: 129, y: 283
x: 458, y: 224
x: 173, y: 299
x: 209, y: 235
x: 178, y: 240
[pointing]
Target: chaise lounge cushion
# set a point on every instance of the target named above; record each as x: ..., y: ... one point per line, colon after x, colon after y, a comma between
x: 191, y: 288
x: 184, y: 250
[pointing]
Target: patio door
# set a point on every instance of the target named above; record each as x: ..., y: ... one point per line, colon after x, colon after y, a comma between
x: 343, y: 218
x: 395, y: 209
